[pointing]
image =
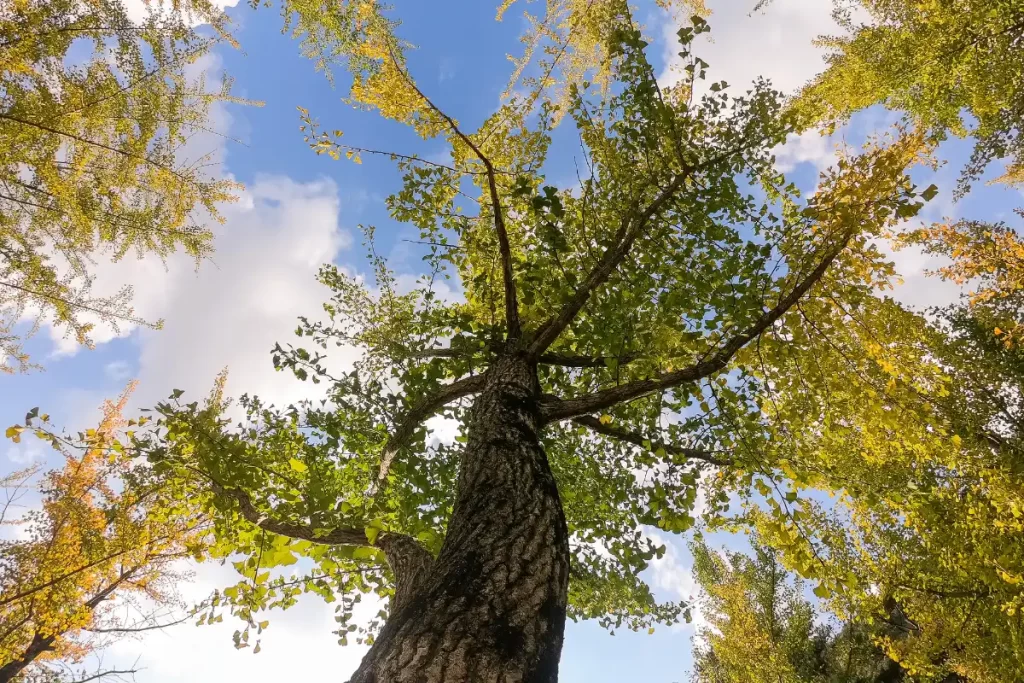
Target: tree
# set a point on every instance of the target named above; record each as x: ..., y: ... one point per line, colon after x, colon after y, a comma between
x: 589, y: 314
x: 762, y: 628
x: 95, y: 561
x: 93, y: 165
x: 934, y: 61
x: 913, y: 427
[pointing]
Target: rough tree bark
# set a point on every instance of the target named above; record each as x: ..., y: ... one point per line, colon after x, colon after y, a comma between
x: 491, y: 607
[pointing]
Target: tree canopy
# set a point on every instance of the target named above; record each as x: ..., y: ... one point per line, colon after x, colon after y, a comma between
x: 641, y: 294
x: 680, y: 337
x: 95, y: 561
x: 954, y: 68
x: 94, y: 113
x: 761, y: 627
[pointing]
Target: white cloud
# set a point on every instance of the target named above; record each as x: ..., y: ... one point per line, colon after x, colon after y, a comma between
x: 138, y: 10
x: 673, y: 574
x: 25, y: 453
x: 118, y: 370
x: 232, y: 309
x: 920, y: 290
x: 775, y: 43
x: 808, y: 147
x: 298, y: 645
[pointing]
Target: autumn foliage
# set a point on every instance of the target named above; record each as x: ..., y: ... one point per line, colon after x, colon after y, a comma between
x: 94, y: 560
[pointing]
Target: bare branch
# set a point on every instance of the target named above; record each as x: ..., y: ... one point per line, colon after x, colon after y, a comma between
x: 505, y: 250
x: 420, y: 412
x: 139, y: 629
x: 600, y: 400
x: 638, y: 439
x: 109, y: 672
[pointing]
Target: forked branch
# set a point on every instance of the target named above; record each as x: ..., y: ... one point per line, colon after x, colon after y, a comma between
x: 601, y: 400
x: 633, y: 225
x: 408, y: 559
x: 504, y: 247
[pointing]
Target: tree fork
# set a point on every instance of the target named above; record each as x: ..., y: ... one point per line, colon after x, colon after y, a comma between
x: 492, y: 606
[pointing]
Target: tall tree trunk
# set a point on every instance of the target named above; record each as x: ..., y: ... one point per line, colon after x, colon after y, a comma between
x: 491, y: 608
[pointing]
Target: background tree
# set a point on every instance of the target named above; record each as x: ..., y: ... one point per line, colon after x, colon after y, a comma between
x: 912, y: 425
x: 95, y: 561
x: 589, y: 315
x: 760, y: 627
x: 94, y: 114
x: 935, y: 61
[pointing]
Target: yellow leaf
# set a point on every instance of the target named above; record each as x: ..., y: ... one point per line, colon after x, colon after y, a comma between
x: 605, y: 419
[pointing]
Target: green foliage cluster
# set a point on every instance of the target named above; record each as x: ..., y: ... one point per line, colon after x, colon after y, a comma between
x: 92, y: 162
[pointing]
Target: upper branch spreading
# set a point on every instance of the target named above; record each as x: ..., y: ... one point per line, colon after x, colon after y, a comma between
x: 599, y: 400
x: 632, y: 227
x: 407, y: 557
x: 504, y: 248
x: 420, y: 412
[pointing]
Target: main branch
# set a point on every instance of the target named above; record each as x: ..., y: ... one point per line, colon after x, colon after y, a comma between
x: 408, y: 559
x: 504, y: 247
x: 607, y: 398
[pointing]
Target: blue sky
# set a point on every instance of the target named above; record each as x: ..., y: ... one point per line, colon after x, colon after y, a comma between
x: 299, y: 211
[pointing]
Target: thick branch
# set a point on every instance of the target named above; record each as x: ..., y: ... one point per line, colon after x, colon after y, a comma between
x: 410, y: 563
x: 643, y: 442
x: 37, y: 646
x: 573, y: 361
x: 338, y: 536
x: 420, y: 412
x: 607, y: 398
x: 633, y: 225
x: 567, y: 360
x: 504, y: 248
x: 408, y: 559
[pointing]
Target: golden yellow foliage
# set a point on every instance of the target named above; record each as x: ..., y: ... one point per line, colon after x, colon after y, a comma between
x: 101, y: 537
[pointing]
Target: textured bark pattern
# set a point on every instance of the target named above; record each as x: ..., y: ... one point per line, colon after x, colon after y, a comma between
x: 492, y: 606
x: 410, y: 562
